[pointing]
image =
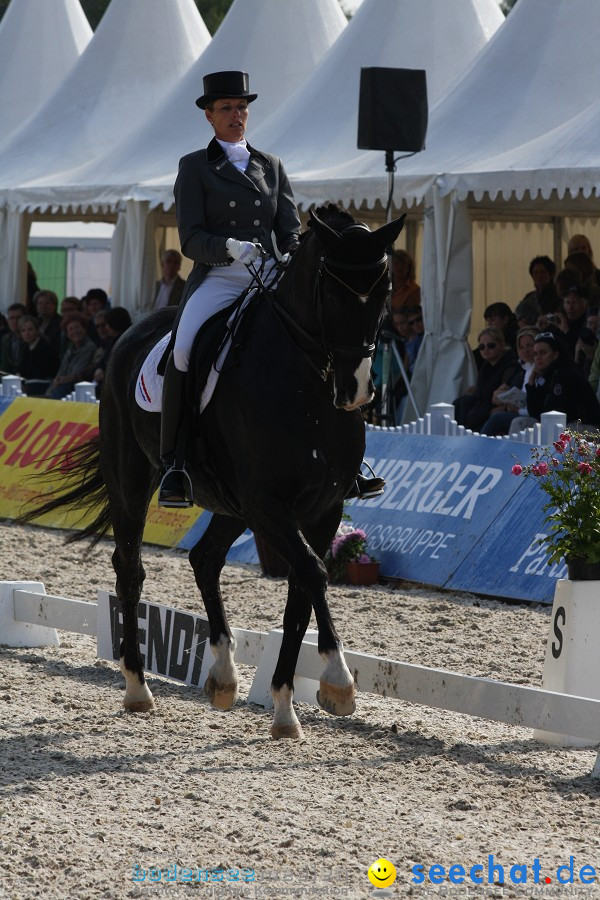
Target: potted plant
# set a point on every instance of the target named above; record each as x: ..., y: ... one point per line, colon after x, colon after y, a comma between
x: 347, y: 559
x: 569, y: 473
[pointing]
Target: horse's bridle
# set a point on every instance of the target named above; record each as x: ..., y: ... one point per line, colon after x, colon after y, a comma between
x: 364, y: 351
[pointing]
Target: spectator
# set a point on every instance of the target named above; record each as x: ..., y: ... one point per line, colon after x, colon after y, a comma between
x: 503, y: 413
x: 4, y: 329
x: 555, y: 383
x: 11, y: 345
x: 564, y: 281
x: 579, y: 243
x: 400, y: 324
x: 390, y: 336
x: 415, y: 320
x: 576, y: 309
x: 542, y: 270
x: 117, y: 321
x: 169, y: 288
x: 586, y: 268
x: 69, y: 305
x: 39, y: 363
x: 95, y: 301
x: 46, y: 304
x: 556, y: 321
x: 405, y: 290
x: 585, y: 348
x: 500, y: 366
x: 499, y: 315
x: 77, y: 360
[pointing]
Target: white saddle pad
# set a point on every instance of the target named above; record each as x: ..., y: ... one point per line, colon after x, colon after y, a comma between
x: 148, y: 390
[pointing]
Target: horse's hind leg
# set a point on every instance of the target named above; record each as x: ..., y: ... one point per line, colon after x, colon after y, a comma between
x: 207, y: 559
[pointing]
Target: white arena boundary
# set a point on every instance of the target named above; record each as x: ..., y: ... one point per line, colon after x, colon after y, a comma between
x: 29, y: 617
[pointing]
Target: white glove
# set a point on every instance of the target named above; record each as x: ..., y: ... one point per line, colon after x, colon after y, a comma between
x: 244, y: 251
x: 285, y: 259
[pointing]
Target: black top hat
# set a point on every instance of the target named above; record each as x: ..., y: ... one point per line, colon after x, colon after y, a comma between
x: 219, y: 85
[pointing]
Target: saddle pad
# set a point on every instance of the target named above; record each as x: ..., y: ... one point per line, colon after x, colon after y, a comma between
x: 148, y: 390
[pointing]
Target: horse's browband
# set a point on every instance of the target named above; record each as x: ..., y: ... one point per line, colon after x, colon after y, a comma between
x: 355, y: 267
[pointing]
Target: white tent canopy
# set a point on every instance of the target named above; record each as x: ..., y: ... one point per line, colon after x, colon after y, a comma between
x: 319, y: 148
x: 140, y: 50
x: 279, y: 42
x: 39, y: 44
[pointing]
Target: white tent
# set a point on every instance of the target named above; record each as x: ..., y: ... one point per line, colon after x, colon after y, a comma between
x: 319, y: 148
x: 39, y: 44
x: 140, y: 50
x: 278, y: 42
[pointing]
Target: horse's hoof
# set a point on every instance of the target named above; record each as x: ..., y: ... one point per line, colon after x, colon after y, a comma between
x: 287, y: 731
x: 336, y: 699
x: 139, y: 705
x: 221, y: 696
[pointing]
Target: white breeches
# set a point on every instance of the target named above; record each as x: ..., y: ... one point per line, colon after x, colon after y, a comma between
x: 222, y: 285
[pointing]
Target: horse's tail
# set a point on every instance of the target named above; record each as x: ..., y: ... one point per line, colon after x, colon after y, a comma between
x: 81, y: 488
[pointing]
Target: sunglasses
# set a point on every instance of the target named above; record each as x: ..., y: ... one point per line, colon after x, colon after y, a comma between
x: 415, y: 321
x: 491, y: 346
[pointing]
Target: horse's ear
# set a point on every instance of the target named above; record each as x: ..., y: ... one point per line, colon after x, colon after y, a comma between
x: 387, y: 234
x: 328, y: 237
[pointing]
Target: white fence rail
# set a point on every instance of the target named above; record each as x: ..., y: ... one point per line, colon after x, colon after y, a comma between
x: 28, y: 617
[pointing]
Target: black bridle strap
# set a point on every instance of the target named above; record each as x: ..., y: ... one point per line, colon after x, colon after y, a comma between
x: 282, y: 313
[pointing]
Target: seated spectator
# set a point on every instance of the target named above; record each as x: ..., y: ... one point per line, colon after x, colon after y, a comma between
x: 585, y: 348
x: 95, y: 301
x: 503, y: 413
x: 116, y: 321
x: 528, y: 311
x: 69, y: 305
x: 46, y: 304
x: 542, y: 270
x: 11, y: 345
x: 500, y: 366
x: 39, y: 363
x: 499, y: 315
x: 77, y: 359
x: 405, y: 290
x: 582, y: 263
x: 579, y: 243
x: 169, y: 289
x: 576, y: 309
x: 4, y: 329
x: 555, y: 383
x: 415, y: 321
x: 401, y: 325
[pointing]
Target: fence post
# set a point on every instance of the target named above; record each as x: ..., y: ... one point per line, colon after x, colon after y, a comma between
x: 552, y: 423
x: 437, y: 413
x: 12, y: 386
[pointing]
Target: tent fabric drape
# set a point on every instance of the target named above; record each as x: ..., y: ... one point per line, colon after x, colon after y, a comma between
x: 14, y: 235
x: 134, y: 258
x: 445, y: 362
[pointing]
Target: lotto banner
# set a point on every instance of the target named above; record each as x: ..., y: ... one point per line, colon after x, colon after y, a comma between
x: 32, y: 433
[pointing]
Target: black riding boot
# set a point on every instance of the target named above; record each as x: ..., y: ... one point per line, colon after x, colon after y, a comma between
x: 176, y: 486
x: 365, y: 488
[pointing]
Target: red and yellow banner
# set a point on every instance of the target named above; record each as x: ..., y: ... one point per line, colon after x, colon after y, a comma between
x: 33, y: 432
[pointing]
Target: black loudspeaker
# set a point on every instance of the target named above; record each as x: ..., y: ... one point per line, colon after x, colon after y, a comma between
x: 392, y: 111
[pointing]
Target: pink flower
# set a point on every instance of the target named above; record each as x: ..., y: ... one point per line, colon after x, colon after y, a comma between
x: 565, y: 438
x: 555, y: 461
x: 597, y: 451
x: 543, y: 468
x: 585, y: 468
x: 517, y: 469
x: 559, y: 445
x: 364, y: 559
x: 535, y: 470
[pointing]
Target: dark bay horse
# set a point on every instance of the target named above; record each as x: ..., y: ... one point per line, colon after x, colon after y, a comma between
x: 277, y: 449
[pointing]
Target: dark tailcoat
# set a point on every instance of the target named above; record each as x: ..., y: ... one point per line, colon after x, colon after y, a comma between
x: 215, y: 201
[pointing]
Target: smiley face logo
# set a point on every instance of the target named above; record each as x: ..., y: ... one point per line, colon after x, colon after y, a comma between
x: 382, y: 873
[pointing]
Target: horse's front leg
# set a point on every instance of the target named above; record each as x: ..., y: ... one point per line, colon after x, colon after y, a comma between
x: 207, y: 559
x: 307, y: 587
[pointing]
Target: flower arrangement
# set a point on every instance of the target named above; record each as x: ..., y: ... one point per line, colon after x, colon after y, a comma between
x: 349, y: 545
x: 569, y: 473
